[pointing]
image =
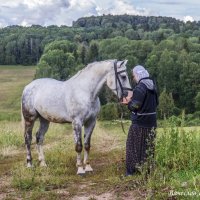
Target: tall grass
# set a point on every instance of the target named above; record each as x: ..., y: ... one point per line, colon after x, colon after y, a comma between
x: 177, y: 164
x: 10, y: 135
x: 11, y: 138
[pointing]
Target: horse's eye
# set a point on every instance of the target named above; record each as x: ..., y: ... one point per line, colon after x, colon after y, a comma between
x: 123, y: 78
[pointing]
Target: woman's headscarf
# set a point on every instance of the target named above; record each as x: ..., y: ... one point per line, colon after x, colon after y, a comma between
x: 139, y: 73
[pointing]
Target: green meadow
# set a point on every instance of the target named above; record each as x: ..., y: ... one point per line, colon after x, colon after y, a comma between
x: 176, y: 174
x: 12, y: 81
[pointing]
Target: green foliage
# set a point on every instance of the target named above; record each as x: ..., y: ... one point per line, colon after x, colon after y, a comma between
x: 197, y: 102
x: 193, y: 119
x: 109, y: 112
x: 176, y: 162
x: 58, y: 61
x: 93, y: 53
x: 174, y: 146
x: 83, y: 54
x: 167, y: 47
x: 166, y: 104
x: 63, y: 45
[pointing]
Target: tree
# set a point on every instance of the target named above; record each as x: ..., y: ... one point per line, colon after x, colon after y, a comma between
x: 64, y: 45
x: 166, y: 104
x: 43, y: 70
x: 132, y: 34
x: 93, y: 52
x: 197, y: 102
x: 56, y: 64
x: 167, y: 71
x: 152, y: 65
x: 83, y: 54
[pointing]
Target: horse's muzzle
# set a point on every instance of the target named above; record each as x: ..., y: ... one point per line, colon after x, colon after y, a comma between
x: 125, y: 94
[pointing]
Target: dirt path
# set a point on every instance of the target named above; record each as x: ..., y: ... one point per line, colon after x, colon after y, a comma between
x: 103, y: 143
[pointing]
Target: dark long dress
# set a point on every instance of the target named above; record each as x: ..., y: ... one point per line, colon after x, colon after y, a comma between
x: 141, y: 137
x: 139, y: 148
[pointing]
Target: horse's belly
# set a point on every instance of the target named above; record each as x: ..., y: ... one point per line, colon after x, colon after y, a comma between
x: 55, y: 118
x: 55, y: 114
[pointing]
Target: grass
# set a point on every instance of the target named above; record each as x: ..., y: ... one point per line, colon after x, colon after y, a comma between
x: 176, y: 175
x: 12, y: 81
x: 177, y: 169
x: 61, y: 171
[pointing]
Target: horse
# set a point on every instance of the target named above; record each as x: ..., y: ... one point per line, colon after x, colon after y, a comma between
x: 73, y: 101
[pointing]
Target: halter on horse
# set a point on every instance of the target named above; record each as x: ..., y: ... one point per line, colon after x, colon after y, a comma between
x: 124, y: 92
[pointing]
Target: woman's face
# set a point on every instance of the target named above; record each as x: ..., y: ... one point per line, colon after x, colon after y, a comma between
x: 134, y: 79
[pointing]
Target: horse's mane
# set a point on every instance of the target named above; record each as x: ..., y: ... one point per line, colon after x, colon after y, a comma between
x: 87, y: 67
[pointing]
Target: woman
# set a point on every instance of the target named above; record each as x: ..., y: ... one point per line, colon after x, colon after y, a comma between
x: 141, y: 136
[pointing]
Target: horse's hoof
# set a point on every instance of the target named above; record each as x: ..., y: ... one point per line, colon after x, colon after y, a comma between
x: 29, y: 165
x: 80, y: 171
x: 43, y: 164
x: 88, y: 168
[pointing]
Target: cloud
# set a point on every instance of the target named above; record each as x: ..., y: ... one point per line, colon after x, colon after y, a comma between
x: 188, y: 18
x: 60, y: 12
x: 44, y: 12
x: 169, y: 2
x: 31, y: 12
x: 76, y: 10
x: 64, y: 12
x: 122, y: 7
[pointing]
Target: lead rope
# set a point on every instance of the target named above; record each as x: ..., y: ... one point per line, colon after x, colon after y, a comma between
x: 121, y: 118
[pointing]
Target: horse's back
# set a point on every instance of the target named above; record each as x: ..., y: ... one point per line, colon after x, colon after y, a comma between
x: 42, y: 82
x: 45, y: 97
x: 42, y: 85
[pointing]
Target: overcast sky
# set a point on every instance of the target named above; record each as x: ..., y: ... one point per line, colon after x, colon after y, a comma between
x: 63, y: 12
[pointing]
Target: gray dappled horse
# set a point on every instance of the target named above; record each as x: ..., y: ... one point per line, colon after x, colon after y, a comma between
x: 73, y: 101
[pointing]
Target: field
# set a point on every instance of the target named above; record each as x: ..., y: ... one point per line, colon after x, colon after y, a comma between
x: 12, y: 81
x: 176, y: 175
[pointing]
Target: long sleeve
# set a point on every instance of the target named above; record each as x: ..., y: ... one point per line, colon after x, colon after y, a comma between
x: 137, y: 99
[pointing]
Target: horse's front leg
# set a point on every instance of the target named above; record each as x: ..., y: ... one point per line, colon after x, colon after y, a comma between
x: 77, y: 126
x: 88, y: 127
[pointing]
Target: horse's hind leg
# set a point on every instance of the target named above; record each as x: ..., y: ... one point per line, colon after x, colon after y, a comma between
x: 28, y: 127
x: 77, y: 126
x: 88, y: 127
x: 44, y: 125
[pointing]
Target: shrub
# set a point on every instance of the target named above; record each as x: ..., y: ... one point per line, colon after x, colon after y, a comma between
x: 193, y: 119
x: 109, y: 112
x: 175, y: 120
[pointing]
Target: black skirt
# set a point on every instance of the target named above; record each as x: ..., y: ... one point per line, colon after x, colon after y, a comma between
x: 139, y: 147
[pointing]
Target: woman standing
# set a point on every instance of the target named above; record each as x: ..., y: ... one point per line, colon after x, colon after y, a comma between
x: 140, y: 141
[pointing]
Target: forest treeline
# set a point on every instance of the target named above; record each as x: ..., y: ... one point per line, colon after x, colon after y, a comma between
x: 168, y: 48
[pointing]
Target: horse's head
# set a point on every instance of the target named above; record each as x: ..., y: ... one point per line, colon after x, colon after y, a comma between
x: 117, y: 79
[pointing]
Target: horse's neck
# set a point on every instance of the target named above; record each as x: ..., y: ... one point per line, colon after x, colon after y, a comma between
x: 93, y: 79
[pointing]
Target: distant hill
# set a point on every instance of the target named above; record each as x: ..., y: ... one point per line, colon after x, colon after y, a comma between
x: 132, y: 21
x: 25, y: 45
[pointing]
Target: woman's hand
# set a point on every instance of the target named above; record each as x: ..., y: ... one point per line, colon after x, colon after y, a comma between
x: 127, y: 99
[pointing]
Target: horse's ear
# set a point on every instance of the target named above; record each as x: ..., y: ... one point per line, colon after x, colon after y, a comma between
x: 123, y: 62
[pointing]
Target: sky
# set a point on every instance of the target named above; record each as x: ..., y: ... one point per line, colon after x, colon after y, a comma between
x: 64, y: 12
